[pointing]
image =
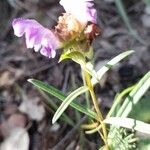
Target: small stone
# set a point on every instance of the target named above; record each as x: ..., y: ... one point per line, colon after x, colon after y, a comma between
x: 17, y: 140
x: 33, y: 109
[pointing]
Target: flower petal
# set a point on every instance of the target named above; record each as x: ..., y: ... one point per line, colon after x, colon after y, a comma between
x: 19, y: 29
x: 33, y: 36
x: 37, y: 37
x: 82, y: 9
x: 37, y: 48
x: 48, y: 52
x: 20, y: 25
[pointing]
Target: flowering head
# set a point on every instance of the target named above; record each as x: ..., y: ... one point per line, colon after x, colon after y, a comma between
x: 75, y: 28
x: 78, y: 24
x: 37, y: 37
x: 68, y: 27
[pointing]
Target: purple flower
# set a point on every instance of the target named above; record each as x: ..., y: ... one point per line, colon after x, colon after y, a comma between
x: 82, y: 9
x: 37, y: 37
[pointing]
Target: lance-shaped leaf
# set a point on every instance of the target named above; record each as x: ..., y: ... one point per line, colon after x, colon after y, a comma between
x: 58, y: 94
x: 134, y: 96
x: 67, y: 102
x: 129, y: 123
x: 108, y: 66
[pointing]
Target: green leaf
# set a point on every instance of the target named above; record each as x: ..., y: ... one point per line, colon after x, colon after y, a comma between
x: 58, y: 94
x: 144, y: 143
x: 147, y: 2
x: 50, y: 103
x: 134, y: 96
x: 90, y: 69
x: 121, y: 139
x: 129, y: 123
x: 67, y: 102
x: 89, y: 54
x: 117, y: 101
x: 94, y: 130
x: 108, y: 66
x: 141, y: 110
x: 74, y: 55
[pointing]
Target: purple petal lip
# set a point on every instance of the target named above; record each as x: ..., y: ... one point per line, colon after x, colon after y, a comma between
x: 83, y: 10
x: 37, y: 37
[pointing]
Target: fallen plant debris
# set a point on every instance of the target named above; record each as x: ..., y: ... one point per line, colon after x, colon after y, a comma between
x: 96, y: 34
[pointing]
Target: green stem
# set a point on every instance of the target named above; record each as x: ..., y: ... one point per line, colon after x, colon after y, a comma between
x: 96, y: 106
x: 118, y: 100
x: 86, y: 93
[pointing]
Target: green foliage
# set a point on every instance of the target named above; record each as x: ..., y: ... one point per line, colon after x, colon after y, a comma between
x: 134, y: 96
x: 108, y: 66
x: 67, y: 102
x: 74, y: 55
x: 141, y: 110
x: 118, y: 99
x: 147, y: 2
x: 118, y: 138
x: 129, y: 123
x: 144, y: 144
x: 58, y: 94
x: 129, y: 105
x: 48, y: 101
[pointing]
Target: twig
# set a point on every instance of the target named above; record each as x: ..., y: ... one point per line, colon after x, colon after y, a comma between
x: 69, y: 136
